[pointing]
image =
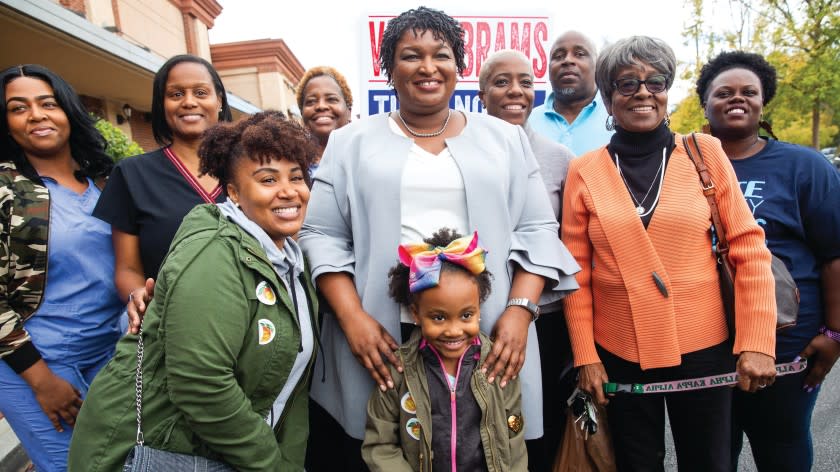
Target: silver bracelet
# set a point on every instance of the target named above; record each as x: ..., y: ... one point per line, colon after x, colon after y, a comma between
x: 526, y: 304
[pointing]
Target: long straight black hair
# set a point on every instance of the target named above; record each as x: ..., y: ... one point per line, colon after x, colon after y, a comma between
x: 87, y: 146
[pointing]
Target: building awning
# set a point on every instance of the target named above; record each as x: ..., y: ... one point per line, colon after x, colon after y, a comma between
x: 97, y: 62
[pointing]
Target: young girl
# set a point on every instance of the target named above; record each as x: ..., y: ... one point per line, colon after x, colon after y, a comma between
x: 477, y: 425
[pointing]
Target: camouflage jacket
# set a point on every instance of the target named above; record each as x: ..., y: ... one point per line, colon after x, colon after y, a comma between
x: 24, y: 230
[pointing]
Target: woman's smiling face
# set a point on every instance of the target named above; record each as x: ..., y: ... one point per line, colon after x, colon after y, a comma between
x: 425, y: 72
x: 272, y: 193
x: 734, y: 103
x: 642, y: 111
x: 190, y: 102
x: 324, y: 107
x: 36, y: 121
x: 509, y: 93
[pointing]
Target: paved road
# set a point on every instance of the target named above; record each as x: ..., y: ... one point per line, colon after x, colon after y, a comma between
x: 825, y: 427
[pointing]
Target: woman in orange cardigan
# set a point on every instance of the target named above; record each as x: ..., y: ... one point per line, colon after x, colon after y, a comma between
x: 649, y: 308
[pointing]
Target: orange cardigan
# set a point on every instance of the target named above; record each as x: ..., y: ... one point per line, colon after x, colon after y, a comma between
x: 619, y: 305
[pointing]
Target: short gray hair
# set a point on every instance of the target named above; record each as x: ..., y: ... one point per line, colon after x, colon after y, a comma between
x: 492, y: 59
x: 629, y: 52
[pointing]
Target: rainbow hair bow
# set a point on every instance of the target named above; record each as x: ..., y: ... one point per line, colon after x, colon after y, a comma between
x: 424, y: 261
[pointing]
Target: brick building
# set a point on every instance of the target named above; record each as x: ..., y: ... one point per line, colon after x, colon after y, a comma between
x: 109, y: 51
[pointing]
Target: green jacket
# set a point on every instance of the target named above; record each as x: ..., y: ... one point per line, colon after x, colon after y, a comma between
x: 209, y: 378
x: 388, y: 446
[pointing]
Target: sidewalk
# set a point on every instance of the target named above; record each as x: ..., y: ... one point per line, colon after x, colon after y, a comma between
x: 12, y: 457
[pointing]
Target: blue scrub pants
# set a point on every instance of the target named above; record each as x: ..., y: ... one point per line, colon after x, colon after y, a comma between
x: 46, y: 447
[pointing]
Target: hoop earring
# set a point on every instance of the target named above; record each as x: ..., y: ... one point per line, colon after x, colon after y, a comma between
x: 610, y: 124
x: 667, y: 119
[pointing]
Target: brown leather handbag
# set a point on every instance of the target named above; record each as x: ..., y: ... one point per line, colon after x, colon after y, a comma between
x: 787, y: 293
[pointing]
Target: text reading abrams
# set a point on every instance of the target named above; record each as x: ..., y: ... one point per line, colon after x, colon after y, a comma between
x: 483, y: 35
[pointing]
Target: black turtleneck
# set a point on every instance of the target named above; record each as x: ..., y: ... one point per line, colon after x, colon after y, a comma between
x: 640, y: 155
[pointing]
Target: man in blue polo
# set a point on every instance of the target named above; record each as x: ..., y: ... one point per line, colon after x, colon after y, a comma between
x: 573, y: 113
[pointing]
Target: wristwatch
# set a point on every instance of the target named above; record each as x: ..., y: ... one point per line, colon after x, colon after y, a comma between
x: 831, y: 334
x: 526, y: 304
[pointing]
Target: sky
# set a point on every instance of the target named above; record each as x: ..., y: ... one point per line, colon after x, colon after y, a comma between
x: 332, y: 32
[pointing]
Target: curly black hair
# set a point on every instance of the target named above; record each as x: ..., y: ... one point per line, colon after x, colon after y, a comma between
x: 398, y: 275
x: 420, y: 20
x: 264, y: 136
x: 87, y: 146
x: 752, y: 62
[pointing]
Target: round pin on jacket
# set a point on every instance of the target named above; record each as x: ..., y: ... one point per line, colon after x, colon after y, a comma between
x: 408, y: 404
x: 265, y: 331
x: 265, y: 294
x: 412, y: 427
x: 515, y: 423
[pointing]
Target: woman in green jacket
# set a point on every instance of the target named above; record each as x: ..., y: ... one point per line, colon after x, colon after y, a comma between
x: 229, y: 338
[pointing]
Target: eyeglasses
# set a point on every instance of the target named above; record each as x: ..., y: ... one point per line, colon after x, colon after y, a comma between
x: 654, y: 84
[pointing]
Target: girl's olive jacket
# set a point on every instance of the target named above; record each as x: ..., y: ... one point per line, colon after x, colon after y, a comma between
x: 217, y: 354
x: 398, y: 436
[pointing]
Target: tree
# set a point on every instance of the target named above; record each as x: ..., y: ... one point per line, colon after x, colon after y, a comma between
x: 790, y: 112
x: 801, y: 38
x: 809, y: 32
x: 119, y: 146
x: 688, y: 115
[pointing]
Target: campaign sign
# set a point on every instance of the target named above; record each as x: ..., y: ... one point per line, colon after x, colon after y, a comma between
x: 483, y: 35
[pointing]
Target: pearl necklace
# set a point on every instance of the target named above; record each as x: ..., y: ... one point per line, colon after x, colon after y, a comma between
x: 640, y: 209
x: 426, y: 135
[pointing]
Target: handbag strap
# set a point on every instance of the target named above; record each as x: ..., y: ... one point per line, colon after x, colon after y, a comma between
x: 722, y: 246
x: 138, y: 386
x: 698, y: 383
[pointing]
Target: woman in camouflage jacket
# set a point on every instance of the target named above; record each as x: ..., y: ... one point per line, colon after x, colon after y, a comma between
x: 58, y: 327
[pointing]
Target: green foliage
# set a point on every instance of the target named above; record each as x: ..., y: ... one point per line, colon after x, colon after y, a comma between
x: 801, y: 38
x: 119, y: 145
x: 791, y: 111
x: 806, y: 36
x: 688, y: 115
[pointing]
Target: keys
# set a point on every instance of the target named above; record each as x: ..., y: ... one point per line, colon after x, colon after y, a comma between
x: 585, y: 414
